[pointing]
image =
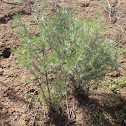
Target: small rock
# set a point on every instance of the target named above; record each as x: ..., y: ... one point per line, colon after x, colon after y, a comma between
x: 1, y: 71
x: 1, y: 106
x: 115, y: 74
x: 85, y: 5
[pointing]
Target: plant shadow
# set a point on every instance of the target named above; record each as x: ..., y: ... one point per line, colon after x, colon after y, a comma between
x: 4, y: 116
x: 12, y: 95
x: 102, y: 109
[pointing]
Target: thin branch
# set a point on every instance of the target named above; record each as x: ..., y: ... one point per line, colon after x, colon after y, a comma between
x: 109, y: 4
x: 47, y: 81
x: 39, y: 84
x: 110, y: 14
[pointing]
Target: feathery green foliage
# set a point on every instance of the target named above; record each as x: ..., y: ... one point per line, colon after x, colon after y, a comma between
x: 66, y: 47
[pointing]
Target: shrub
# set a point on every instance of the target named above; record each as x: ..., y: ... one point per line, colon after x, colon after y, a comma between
x: 65, y: 48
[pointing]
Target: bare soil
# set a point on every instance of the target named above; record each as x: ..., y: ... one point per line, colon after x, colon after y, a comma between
x: 14, y: 87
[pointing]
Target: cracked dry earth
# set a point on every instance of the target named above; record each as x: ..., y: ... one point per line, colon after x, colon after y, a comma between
x: 13, y: 88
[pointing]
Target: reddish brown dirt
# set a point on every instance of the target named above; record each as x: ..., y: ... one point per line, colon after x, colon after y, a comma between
x: 13, y: 89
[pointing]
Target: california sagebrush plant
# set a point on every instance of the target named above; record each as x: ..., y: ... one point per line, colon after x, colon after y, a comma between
x: 65, y: 48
